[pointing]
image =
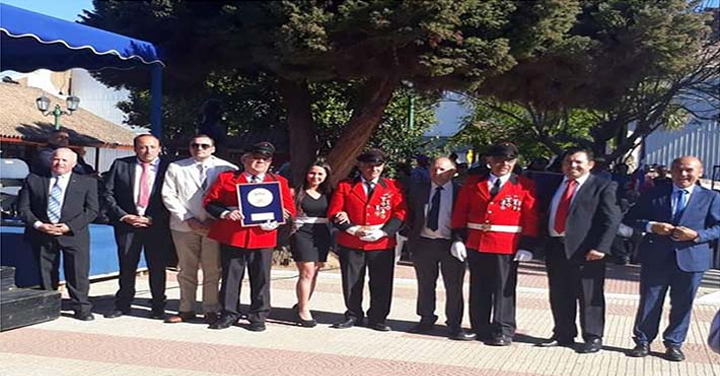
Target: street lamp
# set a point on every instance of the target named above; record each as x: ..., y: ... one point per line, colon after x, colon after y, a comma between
x: 43, y: 103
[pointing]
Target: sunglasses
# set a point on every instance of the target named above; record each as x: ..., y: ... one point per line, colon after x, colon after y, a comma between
x: 200, y: 146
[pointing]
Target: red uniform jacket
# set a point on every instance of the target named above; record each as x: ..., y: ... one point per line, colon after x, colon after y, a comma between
x: 514, y: 206
x: 222, y: 195
x: 386, y: 207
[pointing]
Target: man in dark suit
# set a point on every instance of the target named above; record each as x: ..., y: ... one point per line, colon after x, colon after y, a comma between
x: 582, y: 220
x: 680, y: 220
x: 57, y: 209
x: 135, y: 207
x: 430, y: 234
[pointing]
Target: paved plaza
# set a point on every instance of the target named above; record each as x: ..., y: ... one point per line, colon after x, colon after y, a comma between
x: 137, y: 345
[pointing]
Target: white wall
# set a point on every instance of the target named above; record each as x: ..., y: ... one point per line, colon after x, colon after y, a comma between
x: 98, y: 98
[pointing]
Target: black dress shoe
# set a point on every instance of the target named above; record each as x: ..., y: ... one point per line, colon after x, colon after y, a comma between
x: 591, y: 346
x: 224, y: 322
x: 84, y: 316
x: 557, y: 342
x: 157, y: 313
x: 116, y: 313
x: 674, y: 354
x: 501, y: 340
x: 422, y: 327
x: 380, y: 327
x: 461, y: 335
x: 640, y: 350
x: 256, y: 326
x: 348, y: 322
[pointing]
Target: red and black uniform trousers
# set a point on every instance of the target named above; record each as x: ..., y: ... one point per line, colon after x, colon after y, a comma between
x: 384, y: 209
x: 242, y: 247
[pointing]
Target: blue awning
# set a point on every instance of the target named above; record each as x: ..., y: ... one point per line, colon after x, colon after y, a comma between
x: 30, y: 41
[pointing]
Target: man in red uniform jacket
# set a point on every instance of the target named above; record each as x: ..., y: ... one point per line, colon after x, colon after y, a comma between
x: 242, y: 246
x: 375, y: 210
x: 496, y: 217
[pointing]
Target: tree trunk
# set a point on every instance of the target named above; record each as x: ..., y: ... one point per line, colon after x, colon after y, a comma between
x: 372, y: 101
x: 301, y: 128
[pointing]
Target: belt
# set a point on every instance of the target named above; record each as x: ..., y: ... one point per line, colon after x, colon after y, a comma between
x: 310, y: 220
x: 374, y: 227
x: 494, y: 228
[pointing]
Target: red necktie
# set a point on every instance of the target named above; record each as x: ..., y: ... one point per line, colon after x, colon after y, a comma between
x: 564, y: 206
x: 144, y: 196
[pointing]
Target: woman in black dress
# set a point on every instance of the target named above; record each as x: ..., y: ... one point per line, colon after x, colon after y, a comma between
x: 311, y: 241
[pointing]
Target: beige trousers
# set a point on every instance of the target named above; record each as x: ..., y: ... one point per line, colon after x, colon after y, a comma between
x: 194, y: 250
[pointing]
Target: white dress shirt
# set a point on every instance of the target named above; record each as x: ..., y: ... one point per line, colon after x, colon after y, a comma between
x: 152, y: 171
x: 444, y: 230
x: 675, y: 189
x: 556, y: 201
x: 374, y: 183
x: 182, y: 190
x: 492, y: 179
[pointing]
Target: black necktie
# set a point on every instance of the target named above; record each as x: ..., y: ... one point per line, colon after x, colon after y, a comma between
x: 433, y: 215
x: 495, y: 188
x: 370, y: 189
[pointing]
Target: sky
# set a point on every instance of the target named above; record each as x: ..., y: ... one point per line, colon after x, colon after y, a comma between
x: 449, y: 113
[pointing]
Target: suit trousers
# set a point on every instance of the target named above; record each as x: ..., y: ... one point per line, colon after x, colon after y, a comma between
x: 574, y: 281
x: 196, y: 250
x: 381, y: 268
x: 430, y: 257
x: 76, y: 264
x: 130, y: 244
x: 493, y: 281
x: 258, y: 262
x: 654, y: 285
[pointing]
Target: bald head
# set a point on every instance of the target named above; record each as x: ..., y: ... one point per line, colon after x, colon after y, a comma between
x: 686, y: 171
x: 63, y: 160
x: 442, y: 170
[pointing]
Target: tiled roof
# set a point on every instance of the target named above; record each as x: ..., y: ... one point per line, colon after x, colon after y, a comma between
x: 20, y: 118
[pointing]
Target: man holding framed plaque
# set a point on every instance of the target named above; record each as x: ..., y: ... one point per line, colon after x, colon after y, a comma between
x: 250, y: 206
x: 368, y: 210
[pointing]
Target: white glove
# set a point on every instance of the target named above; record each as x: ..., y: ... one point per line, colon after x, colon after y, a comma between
x: 352, y: 230
x: 457, y: 249
x: 373, y: 235
x: 269, y: 225
x: 523, y: 255
x: 625, y: 231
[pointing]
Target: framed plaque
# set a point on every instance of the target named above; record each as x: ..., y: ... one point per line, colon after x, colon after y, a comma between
x: 260, y: 202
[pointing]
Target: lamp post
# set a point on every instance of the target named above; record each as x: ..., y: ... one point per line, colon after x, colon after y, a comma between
x: 410, y: 105
x: 43, y: 103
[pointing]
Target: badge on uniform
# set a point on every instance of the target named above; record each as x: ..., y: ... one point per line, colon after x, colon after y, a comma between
x: 260, y: 202
x: 383, y: 208
x: 511, y: 202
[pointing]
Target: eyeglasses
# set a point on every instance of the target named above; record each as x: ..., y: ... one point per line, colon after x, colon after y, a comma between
x: 200, y: 146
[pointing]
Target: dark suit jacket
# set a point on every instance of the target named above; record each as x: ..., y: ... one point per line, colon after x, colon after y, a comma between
x: 701, y: 214
x: 119, y: 196
x: 80, y: 207
x: 418, y: 197
x: 593, y: 218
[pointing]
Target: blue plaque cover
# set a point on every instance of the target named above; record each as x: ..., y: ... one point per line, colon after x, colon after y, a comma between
x: 260, y: 202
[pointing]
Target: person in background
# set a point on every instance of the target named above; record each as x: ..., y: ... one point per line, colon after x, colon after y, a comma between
x: 310, y: 241
x: 43, y: 159
x: 183, y: 189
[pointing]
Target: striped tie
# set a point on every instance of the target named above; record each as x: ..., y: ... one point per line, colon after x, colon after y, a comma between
x: 54, y: 207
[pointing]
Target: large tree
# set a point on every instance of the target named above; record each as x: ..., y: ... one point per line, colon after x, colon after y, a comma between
x: 371, y: 45
x: 637, y: 63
